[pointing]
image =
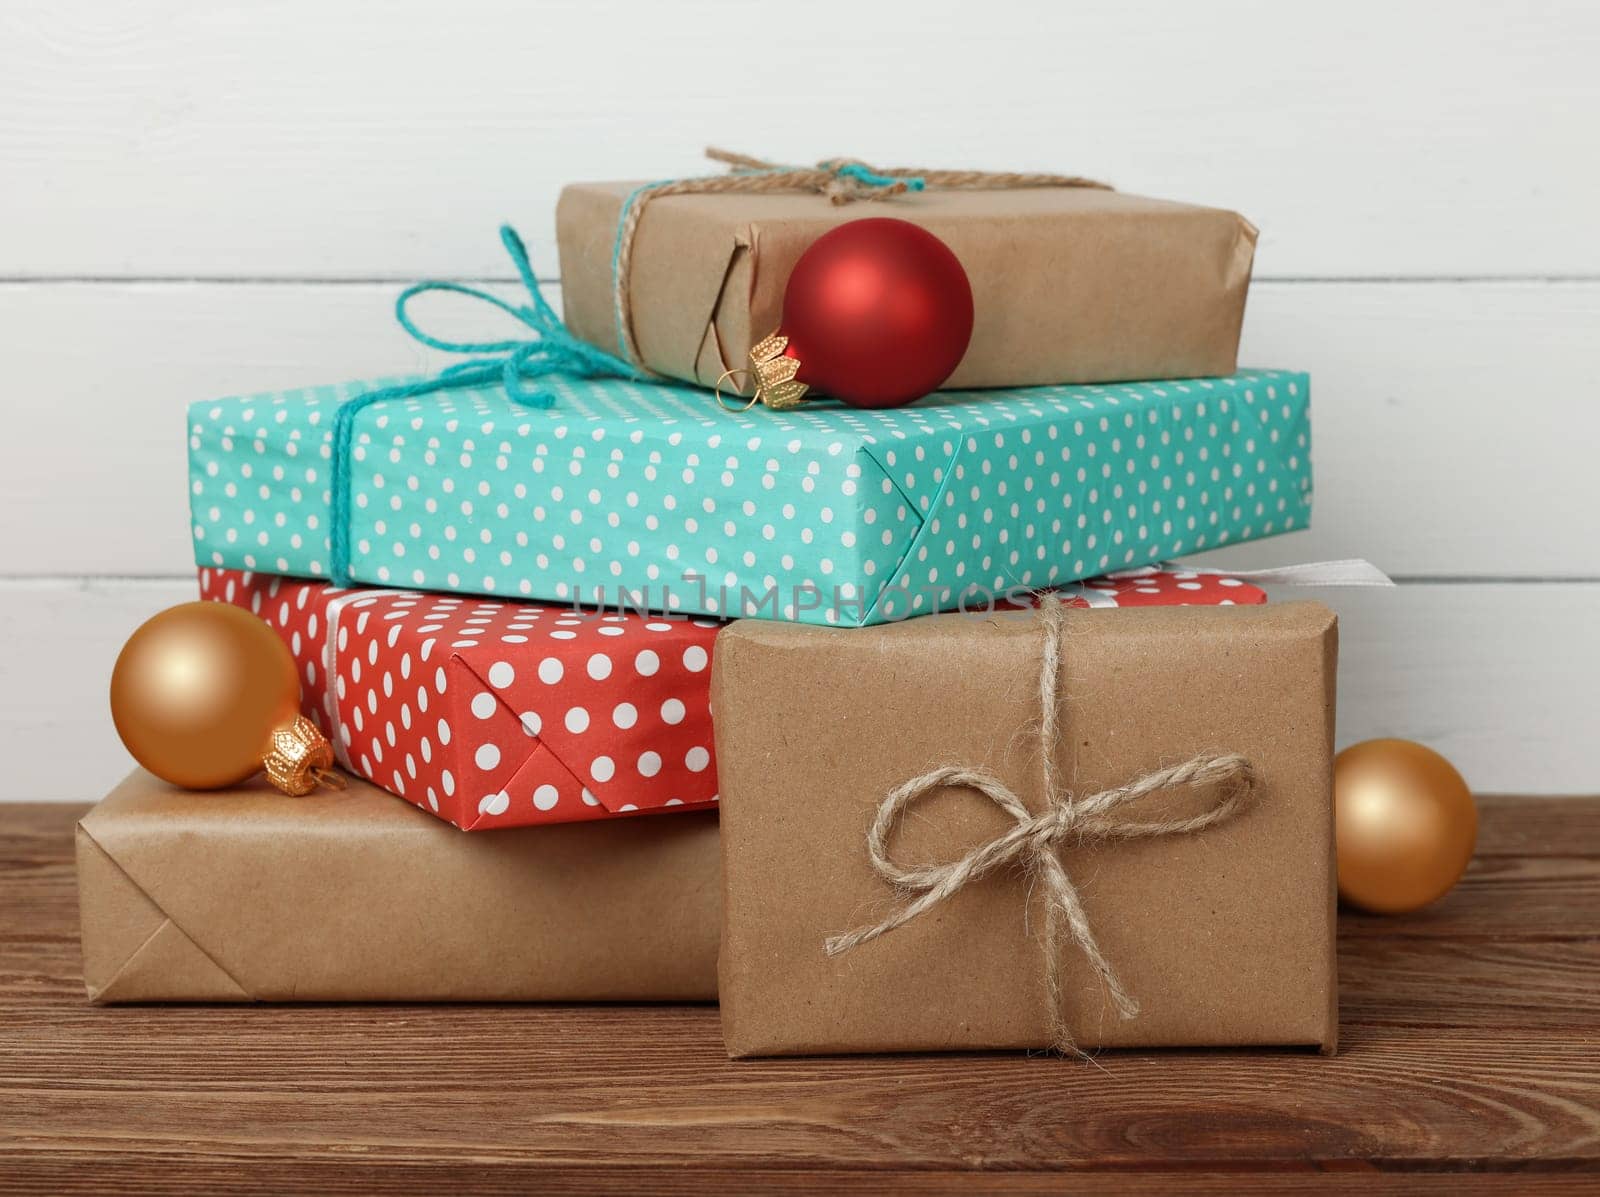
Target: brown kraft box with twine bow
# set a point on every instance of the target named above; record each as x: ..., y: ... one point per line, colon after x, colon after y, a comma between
x: 1177, y: 890
x: 1071, y: 284
x: 356, y: 895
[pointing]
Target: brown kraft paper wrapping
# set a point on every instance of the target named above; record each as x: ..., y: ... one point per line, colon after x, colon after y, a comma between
x: 1070, y: 285
x: 358, y: 896
x: 1224, y: 936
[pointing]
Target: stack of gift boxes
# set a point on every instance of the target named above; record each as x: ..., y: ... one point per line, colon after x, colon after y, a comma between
x: 665, y: 662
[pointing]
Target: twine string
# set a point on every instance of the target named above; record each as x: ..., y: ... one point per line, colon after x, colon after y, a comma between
x: 841, y: 180
x: 1034, y: 842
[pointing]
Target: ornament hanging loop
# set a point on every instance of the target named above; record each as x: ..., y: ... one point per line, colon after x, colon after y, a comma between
x: 774, y: 373
x: 722, y: 401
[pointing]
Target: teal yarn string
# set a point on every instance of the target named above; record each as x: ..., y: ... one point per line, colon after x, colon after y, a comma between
x: 862, y: 174
x: 512, y: 363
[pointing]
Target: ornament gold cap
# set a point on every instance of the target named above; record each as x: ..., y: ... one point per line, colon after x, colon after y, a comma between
x: 773, y: 371
x: 299, y: 759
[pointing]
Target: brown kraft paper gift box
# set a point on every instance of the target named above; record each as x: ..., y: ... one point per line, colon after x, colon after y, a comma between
x: 358, y: 896
x: 1224, y: 936
x: 1070, y: 285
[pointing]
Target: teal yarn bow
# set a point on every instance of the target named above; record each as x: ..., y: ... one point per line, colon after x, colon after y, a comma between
x: 514, y: 364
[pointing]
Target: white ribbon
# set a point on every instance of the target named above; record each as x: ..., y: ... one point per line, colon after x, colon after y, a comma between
x: 1351, y: 571
x: 330, y: 669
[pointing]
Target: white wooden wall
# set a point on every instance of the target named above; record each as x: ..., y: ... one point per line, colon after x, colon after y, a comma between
x: 201, y: 197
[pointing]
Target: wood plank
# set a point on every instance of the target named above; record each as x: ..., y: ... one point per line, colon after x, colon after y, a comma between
x: 1509, y: 828
x: 1498, y: 677
x: 1532, y: 898
x: 166, y: 139
x: 1463, y: 963
x: 1412, y: 386
x: 64, y: 1173
x: 1441, y: 1069
x: 651, y: 1087
x: 1390, y: 978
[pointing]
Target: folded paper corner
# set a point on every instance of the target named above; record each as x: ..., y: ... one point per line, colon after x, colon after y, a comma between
x: 132, y: 949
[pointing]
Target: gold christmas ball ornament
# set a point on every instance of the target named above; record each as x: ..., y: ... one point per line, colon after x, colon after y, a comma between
x: 1405, y: 824
x: 205, y: 695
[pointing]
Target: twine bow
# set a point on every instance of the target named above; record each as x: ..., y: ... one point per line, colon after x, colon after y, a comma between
x: 841, y: 180
x: 513, y: 363
x: 1034, y: 842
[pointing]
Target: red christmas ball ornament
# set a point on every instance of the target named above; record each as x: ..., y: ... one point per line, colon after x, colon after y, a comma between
x: 877, y: 313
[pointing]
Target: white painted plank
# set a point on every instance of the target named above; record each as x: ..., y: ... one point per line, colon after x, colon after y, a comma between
x: 1454, y: 422
x: 1500, y: 678
x: 307, y: 139
x: 55, y: 678
x: 103, y: 373
x: 1453, y: 425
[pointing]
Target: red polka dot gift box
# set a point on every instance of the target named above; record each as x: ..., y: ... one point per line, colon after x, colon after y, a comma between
x: 492, y: 714
x: 497, y: 714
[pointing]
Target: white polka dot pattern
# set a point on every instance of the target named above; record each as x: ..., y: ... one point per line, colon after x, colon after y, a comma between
x: 496, y: 714
x: 824, y: 514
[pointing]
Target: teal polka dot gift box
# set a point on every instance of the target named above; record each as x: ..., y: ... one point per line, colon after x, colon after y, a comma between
x: 631, y: 494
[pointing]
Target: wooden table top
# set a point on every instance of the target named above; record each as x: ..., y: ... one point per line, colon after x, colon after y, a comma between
x: 1470, y: 1048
